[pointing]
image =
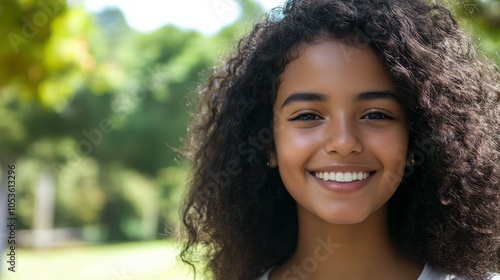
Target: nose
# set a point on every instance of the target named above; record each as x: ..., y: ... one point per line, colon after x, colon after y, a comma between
x: 342, y: 137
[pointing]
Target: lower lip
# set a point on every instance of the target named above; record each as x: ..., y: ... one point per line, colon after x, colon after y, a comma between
x: 344, y: 187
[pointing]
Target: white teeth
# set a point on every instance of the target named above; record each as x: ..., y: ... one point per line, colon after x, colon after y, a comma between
x: 341, y: 176
x: 348, y: 177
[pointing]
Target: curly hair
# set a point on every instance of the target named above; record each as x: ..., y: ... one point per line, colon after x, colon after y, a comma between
x: 238, y: 218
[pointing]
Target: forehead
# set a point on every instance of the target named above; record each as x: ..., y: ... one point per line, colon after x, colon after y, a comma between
x: 330, y: 65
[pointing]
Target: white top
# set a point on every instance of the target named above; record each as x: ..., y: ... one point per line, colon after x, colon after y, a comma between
x: 427, y: 274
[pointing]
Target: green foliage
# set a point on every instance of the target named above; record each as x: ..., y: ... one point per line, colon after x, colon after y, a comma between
x: 12, y: 130
x: 130, y: 201
x: 46, y: 50
x: 81, y: 196
x: 45, y: 58
x: 25, y: 195
x: 481, y: 19
x: 172, y: 182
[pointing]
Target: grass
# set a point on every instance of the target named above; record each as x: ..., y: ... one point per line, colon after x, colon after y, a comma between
x: 126, y: 261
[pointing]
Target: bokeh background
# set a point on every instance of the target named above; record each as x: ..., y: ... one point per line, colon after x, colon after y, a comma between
x: 94, y: 102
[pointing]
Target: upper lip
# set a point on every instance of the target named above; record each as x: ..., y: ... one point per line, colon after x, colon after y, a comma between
x: 342, y: 168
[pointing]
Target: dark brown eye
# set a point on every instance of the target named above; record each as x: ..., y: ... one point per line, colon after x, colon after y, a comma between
x: 377, y: 116
x: 306, y: 117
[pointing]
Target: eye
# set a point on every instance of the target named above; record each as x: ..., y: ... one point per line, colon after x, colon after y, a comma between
x: 305, y: 117
x: 377, y: 116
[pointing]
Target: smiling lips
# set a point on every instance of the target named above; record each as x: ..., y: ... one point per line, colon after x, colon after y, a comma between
x: 341, y: 176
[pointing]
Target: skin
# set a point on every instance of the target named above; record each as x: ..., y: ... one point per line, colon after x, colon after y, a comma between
x: 327, y: 118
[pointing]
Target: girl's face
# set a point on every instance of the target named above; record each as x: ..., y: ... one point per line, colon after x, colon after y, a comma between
x: 340, y: 132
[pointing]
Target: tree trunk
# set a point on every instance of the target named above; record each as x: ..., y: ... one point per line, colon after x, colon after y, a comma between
x: 43, y: 223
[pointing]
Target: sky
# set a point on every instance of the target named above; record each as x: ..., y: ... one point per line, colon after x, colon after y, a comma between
x: 206, y: 16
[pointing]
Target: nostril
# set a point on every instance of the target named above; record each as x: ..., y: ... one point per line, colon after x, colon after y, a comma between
x: 344, y: 142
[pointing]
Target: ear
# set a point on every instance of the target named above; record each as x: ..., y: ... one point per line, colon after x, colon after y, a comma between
x: 271, y: 156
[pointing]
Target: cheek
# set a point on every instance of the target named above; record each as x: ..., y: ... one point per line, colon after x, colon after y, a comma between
x: 400, y: 140
x: 295, y: 147
x: 389, y: 143
x: 390, y: 150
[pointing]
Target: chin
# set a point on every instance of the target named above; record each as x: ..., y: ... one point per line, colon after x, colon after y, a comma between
x: 355, y: 214
x: 343, y: 217
x: 344, y: 220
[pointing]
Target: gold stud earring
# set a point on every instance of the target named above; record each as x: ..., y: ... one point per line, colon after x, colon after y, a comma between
x: 411, y: 160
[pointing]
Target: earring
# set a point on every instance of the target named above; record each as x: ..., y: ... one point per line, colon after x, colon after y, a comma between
x: 271, y: 161
x: 411, y: 161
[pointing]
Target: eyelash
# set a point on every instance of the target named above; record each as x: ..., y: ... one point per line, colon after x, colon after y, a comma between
x: 303, y: 117
x: 383, y: 116
x: 375, y: 115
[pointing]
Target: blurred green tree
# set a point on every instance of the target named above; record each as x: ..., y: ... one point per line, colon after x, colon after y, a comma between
x: 46, y: 57
x: 481, y: 19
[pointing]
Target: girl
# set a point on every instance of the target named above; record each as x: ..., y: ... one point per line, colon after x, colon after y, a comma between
x: 348, y: 140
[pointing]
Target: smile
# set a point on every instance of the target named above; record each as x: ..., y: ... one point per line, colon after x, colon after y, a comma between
x: 341, y: 176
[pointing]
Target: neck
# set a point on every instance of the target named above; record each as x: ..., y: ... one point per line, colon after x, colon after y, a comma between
x: 357, y: 251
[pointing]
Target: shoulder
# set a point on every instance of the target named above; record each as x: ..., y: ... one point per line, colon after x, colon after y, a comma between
x: 265, y: 276
x: 494, y: 276
x: 429, y: 273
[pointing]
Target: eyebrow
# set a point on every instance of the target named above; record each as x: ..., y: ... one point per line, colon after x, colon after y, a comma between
x: 304, y: 97
x: 364, y: 96
x: 383, y: 94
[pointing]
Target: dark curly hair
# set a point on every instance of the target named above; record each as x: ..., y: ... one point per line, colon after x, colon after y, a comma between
x: 238, y: 218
